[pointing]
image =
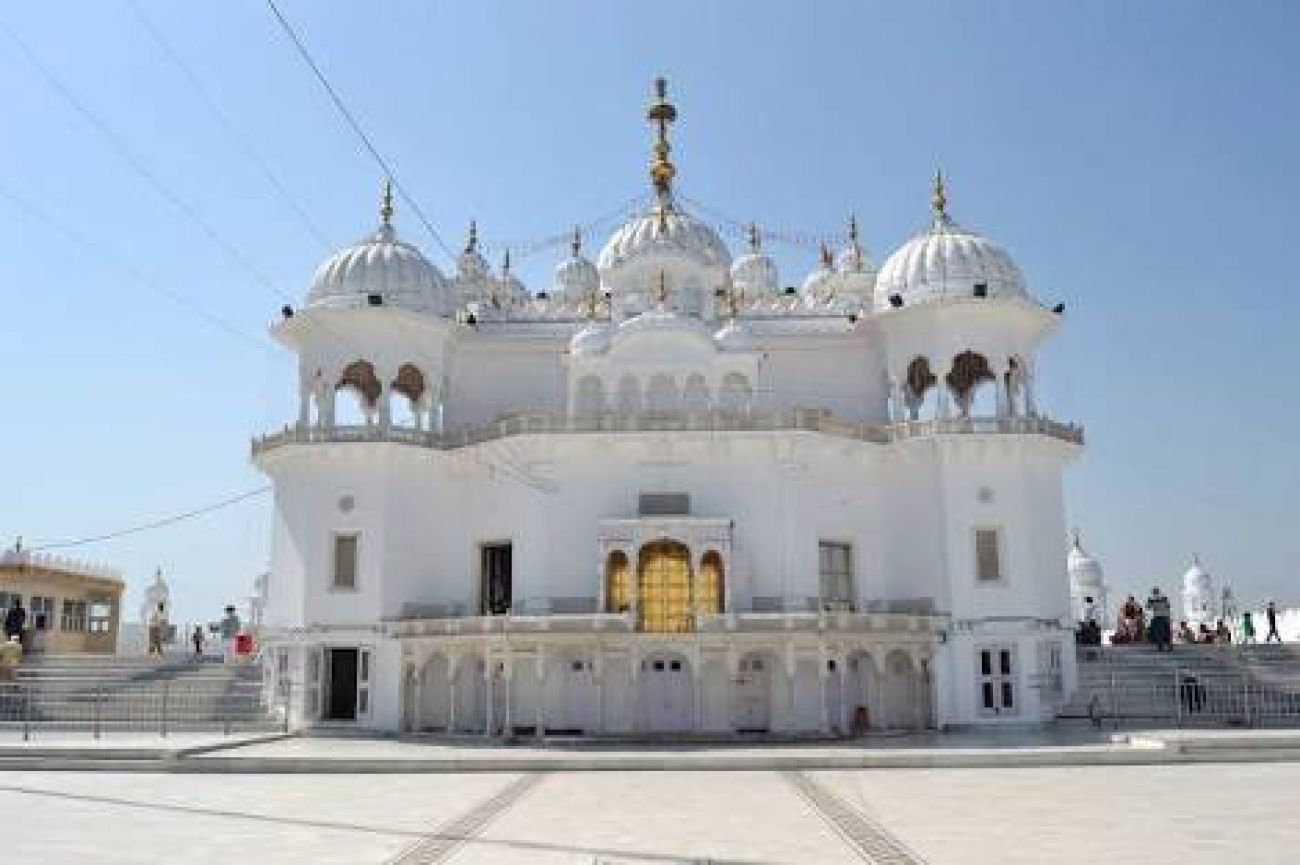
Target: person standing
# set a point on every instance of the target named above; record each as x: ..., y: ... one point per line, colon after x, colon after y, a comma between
x: 229, y: 631
x: 15, y: 620
x: 1161, y: 632
x: 1271, y: 612
x: 197, y: 639
x: 1247, y: 628
x: 157, y: 629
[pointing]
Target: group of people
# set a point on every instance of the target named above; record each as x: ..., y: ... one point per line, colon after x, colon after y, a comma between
x: 1152, y: 624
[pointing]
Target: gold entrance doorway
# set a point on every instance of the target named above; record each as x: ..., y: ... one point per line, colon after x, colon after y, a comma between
x: 664, y: 586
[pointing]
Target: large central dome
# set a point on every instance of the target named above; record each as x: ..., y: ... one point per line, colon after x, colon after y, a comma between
x: 668, y: 233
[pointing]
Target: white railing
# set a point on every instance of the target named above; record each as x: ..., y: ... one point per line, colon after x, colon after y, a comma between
x: 804, y: 420
x: 475, y: 625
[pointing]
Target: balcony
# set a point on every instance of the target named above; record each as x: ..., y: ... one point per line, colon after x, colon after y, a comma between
x: 798, y: 420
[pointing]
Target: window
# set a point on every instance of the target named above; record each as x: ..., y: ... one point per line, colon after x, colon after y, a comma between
x: 42, y: 613
x: 988, y: 555
x: 495, y: 594
x: 74, y: 616
x: 100, y: 617
x: 7, y: 601
x: 345, y: 561
x: 996, y: 680
x: 835, y: 566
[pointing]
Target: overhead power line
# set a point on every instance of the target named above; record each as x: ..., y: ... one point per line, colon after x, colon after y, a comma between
x: 225, y: 121
x: 154, y: 524
x: 355, y: 126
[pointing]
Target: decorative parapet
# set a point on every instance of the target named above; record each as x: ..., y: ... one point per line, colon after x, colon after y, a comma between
x: 27, y: 559
x: 798, y: 420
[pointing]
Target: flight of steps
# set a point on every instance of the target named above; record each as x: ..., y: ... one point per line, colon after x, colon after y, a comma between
x: 82, y: 692
x: 1194, y: 685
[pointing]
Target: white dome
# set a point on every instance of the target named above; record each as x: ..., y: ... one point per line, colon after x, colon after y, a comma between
x: 473, y: 275
x: 1197, y: 580
x: 857, y: 273
x: 1084, y: 569
x: 947, y: 261
x: 594, y: 338
x: 735, y: 335
x: 821, y: 283
x: 671, y: 232
x: 755, y: 273
x: 380, y: 265
x: 576, y: 277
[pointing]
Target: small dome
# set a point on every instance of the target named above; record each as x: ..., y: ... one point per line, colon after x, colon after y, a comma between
x: 473, y: 275
x: 513, y: 291
x: 594, y: 338
x: 857, y: 273
x: 755, y: 273
x: 947, y: 260
x: 1084, y: 569
x: 1197, y: 580
x: 735, y: 335
x: 821, y: 283
x: 379, y: 265
x: 665, y: 230
x: 576, y: 277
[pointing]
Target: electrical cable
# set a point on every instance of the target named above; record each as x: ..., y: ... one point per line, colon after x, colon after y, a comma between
x: 355, y: 125
x: 154, y: 524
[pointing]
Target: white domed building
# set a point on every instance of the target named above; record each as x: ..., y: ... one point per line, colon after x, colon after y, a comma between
x: 1087, y: 581
x: 667, y: 497
x: 1201, y: 598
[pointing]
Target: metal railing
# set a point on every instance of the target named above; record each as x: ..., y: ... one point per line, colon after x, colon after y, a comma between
x: 161, y: 707
x: 802, y: 420
x: 1188, y: 697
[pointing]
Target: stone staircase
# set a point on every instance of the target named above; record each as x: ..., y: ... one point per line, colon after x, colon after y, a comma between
x: 80, y: 692
x: 1212, y: 686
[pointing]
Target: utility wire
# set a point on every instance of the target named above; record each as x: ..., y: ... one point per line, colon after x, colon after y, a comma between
x: 225, y: 121
x: 355, y: 125
x: 98, y: 251
x: 155, y: 524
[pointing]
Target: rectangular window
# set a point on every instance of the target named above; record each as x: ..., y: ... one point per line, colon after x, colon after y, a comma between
x: 100, y: 616
x: 74, y: 616
x: 664, y: 504
x: 988, y: 555
x: 7, y: 601
x: 345, y: 561
x: 495, y: 590
x: 42, y: 613
x: 996, y: 680
x: 835, y: 565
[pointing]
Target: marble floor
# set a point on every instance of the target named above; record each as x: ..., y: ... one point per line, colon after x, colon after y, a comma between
x: 1186, y: 814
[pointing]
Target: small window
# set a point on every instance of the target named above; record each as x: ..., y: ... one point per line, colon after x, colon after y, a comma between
x: 42, y: 613
x: 658, y: 666
x: 74, y: 616
x: 835, y: 565
x: 345, y: 561
x: 988, y: 557
x: 577, y: 666
x: 496, y: 594
x: 996, y: 680
x: 675, y: 665
x: 100, y: 617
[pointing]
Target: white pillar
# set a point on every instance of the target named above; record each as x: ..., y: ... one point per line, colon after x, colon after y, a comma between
x: 451, y: 694
x: 304, y: 403
x: 385, y: 405
x: 417, y: 696
x: 508, y: 680
x: 598, y: 675
x: 539, y: 717
x: 489, y: 701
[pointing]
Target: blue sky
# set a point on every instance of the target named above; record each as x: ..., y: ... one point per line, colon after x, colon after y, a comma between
x: 1138, y: 159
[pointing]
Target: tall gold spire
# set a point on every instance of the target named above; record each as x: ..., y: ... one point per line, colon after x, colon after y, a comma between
x: 662, y: 171
x: 471, y: 242
x: 386, y: 208
x: 939, y: 201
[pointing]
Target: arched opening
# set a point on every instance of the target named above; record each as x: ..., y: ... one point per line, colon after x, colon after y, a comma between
x: 664, y: 588
x: 666, y: 693
x: 751, y: 693
x: 695, y: 394
x: 736, y: 395
x: 969, y: 372
x: 590, y: 400
x: 860, y: 693
x: 469, y: 710
x: 710, y: 585
x: 661, y: 394
x: 410, y: 384
x: 629, y: 395
x: 899, y: 688
x: 570, y: 695
x: 918, y: 382
x: 360, y: 382
x: 618, y: 583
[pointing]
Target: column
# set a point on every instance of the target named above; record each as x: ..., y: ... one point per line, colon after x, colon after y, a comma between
x: 823, y: 677
x: 507, y: 680
x: 635, y: 660
x: 489, y: 703
x: 598, y: 675
x: 452, y: 673
x: 326, y: 397
x: 1031, y: 404
x: 791, y: 667
x: 417, y: 697
x: 539, y: 718
x: 304, y: 403
x: 385, y: 405
x: 697, y: 699
x: 602, y: 588
x: 733, y: 672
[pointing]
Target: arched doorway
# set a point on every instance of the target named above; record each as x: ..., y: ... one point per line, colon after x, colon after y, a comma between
x: 859, y: 688
x: 618, y: 583
x: 664, y: 588
x: 899, y: 691
x: 432, y: 712
x: 751, y: 695
x: 570, y: 695
x: 666, y: 694
x: 470, y: 695
x: 710, y: 585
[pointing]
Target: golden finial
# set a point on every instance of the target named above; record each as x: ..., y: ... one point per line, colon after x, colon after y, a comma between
x: 662, y: 112
x: 386, y: 209
x: 939, y: 201
x: 471, y: 243
x: 576, y: 244
x: 755, y: 238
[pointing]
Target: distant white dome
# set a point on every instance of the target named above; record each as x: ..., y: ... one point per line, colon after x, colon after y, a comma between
x: 380, y: 265
x: 1084, y: 569
x: 473, y: 274
x: 672, y: 232
x: 754, y: 273
x: 1197, y: 579
x: 857, y: 273
x: 576, y: 277
x: 821, y: 283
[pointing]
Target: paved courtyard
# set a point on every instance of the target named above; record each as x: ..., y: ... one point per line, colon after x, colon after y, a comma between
x: 1186, y: 814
